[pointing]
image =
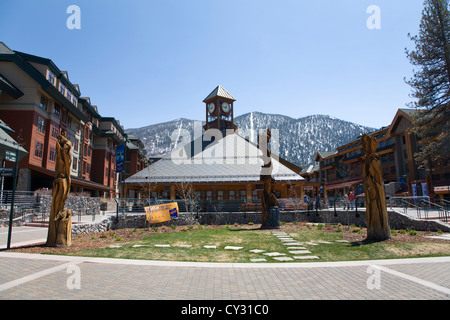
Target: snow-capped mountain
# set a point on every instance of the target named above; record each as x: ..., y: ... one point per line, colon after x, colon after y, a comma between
x: 299, y: 139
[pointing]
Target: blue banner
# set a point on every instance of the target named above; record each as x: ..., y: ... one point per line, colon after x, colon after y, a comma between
x: 120, y: 158
x: 424, y: 189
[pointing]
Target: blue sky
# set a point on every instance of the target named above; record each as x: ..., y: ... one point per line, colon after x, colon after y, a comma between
x: 145, y: 62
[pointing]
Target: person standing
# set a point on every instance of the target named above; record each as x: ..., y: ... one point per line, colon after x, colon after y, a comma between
x: 351, y: 199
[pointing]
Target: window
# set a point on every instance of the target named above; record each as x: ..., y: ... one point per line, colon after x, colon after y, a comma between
x: 55, y: 131
x: 51, y: 77
x: 69, y: 95
x: 41, y: 125
x: 62, y: 89
x: 38, y: 149
x: 44, y: 103
x: 75, y: 147
x: 57, y: 110
x: 52, y: 155
x: 75, y: 163
x: 74, y: 100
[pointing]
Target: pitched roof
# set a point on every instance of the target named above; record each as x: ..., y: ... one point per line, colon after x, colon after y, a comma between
x: 323, y: 155
x: 231, y: 159
x: 9, y: 88
x: 219, y: 91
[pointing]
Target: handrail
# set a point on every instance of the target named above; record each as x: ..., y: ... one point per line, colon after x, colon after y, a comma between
x: 439, y: 209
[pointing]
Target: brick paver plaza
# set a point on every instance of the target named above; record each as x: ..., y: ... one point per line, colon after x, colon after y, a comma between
x: 27, y: 276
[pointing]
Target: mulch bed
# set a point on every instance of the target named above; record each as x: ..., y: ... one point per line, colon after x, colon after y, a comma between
x: 112, y: 237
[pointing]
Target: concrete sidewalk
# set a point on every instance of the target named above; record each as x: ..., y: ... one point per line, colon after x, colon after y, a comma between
x: 28, y: 276
x: 23, y: 236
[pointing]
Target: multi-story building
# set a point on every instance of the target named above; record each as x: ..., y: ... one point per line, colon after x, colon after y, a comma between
x: 40, y: 103
x: 341, y: 171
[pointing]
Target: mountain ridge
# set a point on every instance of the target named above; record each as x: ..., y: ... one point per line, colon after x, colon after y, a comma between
x: 299, y: 139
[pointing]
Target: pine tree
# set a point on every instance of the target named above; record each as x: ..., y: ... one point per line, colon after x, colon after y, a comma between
x: 431, y: 83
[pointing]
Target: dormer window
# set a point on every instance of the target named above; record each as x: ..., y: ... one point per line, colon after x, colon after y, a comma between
x: 51, y: 77
x: 62, y: 89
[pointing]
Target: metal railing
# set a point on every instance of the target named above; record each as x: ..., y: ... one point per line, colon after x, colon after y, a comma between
x: 422, y: 207
x: 30, y: 205
x: 134, y: 205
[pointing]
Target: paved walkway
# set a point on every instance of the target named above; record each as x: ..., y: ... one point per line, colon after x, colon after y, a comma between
x: 28, y: 276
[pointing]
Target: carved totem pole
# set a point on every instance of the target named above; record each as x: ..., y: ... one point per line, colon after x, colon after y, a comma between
x: 60, y: 221
x: 270, y: 211
x: 376, y: 209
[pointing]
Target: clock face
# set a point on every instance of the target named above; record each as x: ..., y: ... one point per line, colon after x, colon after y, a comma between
x: 226, y: 107
x: 211, y: 107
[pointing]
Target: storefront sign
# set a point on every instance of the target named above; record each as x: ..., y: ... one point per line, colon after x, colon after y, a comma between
x: 162, y: 212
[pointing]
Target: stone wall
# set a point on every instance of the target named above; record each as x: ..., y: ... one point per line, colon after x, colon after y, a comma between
x: 396, y: 220
x: 85, y: 228
x: 78, y: 205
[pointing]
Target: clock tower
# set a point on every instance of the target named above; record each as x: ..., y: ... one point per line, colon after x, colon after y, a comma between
x: 219, y: 110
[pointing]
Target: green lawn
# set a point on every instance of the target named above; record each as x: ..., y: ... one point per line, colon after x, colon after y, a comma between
x: 259, y: 239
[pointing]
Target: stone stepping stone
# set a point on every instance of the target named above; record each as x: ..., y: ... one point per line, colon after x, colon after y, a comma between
x: 258, y: 260
x: 257, y: 250
x: 311, y: 243
x: 300, y: 251
x: 305, y: 257
x: 292, y: 244
x: 341, y: 240
x: 185, y: 245
x: 280, y: 234
x: 283, y: 258
x: 140, y: 245
x: 233, y: 248
x: 287, y: 240
x: 274, y: 254
x: 210, y: 247
x: 324, y: 242
x: 162, y: 245
x: 296, y: 248
x: 115, y: 246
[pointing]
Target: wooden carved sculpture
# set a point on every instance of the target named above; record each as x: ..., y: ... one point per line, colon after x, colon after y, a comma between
x: 269, y: 200
x: 376, y: 209
x: 60, y: 222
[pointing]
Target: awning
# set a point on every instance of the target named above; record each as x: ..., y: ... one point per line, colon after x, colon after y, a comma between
x: 343, y: 185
